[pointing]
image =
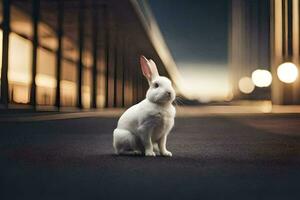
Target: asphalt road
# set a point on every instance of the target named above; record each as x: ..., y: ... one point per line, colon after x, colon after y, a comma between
x: 214, y: 157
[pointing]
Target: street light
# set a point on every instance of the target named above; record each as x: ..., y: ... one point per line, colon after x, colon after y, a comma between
x: 261, y: 78
x: 287, y: 72
x: 246, y: 85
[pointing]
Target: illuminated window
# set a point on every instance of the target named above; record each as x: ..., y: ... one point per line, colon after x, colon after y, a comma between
x: 45, y: 77
x: 19, y: 69
x: 69, y: 49
x: 86, y: 87
x: 87, y: 58
x: 101, y: 82
x: 70, y: 30
x: 100, y: 90
x: 68, y: 83
x: 87, y: 61
x: 20, y: 22
x: 48, y: 24
x: 47, y: 37
x: 128, y: 87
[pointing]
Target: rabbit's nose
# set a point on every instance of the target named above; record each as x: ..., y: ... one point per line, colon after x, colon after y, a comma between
x: 169, y: 94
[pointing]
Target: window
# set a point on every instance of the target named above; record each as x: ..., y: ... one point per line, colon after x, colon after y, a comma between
x: 101, y: 80
x: 48, y: 24
x: 47, y: 37
x: 70, y: 50
x: 86, y: 87
x: 87, y: 61
x: 21, y: 22
x: 19, y: 69
x: 45, y: 77
x: 68, y: 83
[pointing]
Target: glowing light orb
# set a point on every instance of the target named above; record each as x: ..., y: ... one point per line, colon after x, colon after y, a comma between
x: 261, y: 78
x: 246, y: 85
x: 287, y: 72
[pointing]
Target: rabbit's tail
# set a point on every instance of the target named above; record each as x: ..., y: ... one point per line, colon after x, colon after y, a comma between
x: 125, y: 142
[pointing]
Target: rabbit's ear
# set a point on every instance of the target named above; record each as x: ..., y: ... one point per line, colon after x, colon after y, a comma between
x: 145, y: 65
x: 153, y: 68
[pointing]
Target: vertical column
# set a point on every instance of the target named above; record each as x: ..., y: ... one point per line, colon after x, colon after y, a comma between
x: 296, y: 45
x: 113, y: 62
x: 35, y: 20
x: 138, y: 85
x: 123, y: 71
x: 133, y: 74
x: 290, y: 28
x: 5, y: 46
x: 136, y: 74
x: 284, y: 29
x: 277, y: 49
x: 115, y: 93
x: 116, y: 63
x: 59, y: 33
x: 287, y: 50
x: 119, y: 68
x: 287, y: 29
x: 106, y: 52
x: 80, y: 49
x: 130, y: 70
x: 95, y: 52
x: 126, y: 67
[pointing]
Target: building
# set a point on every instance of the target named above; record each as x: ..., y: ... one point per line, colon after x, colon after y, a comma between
x: 78, y: 53
x: 249, y: 44
x: 285, y: 48
x: 263, y: 35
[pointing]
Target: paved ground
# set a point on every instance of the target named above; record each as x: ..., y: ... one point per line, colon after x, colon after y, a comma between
x: 215, y: 157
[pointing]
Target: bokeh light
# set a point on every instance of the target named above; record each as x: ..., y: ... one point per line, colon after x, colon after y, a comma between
x: 246, y: 85
x: 261, y: 78
x: 287, y: 72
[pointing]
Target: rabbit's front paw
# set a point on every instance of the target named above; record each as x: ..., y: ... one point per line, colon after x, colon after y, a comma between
x: 149, y: 153
x: 167, y: 153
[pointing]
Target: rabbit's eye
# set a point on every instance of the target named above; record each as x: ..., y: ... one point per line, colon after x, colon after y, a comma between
x: 156, y: 85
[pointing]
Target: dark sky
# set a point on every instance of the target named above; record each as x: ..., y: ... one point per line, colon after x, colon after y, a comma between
x: 195, y: 30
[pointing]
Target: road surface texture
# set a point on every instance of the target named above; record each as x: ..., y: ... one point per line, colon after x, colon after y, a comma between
x: 226, y: 156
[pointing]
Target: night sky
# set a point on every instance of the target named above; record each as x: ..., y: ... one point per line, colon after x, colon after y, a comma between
x: 196, y: 32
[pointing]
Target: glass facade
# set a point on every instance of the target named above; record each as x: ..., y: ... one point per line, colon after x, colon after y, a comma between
x: 54, y: 56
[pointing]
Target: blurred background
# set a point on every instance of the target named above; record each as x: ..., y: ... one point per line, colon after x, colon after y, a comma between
x: 85, y: 53
x: 69, y: 69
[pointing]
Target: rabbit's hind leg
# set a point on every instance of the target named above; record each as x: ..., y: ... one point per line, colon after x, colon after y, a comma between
x: 156, y: 148
x: 125, y: 143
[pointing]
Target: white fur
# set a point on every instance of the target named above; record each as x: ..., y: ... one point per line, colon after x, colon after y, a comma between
x: 144, y: 127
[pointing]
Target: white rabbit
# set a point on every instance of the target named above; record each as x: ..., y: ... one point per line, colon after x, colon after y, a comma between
x: 148, y: 123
